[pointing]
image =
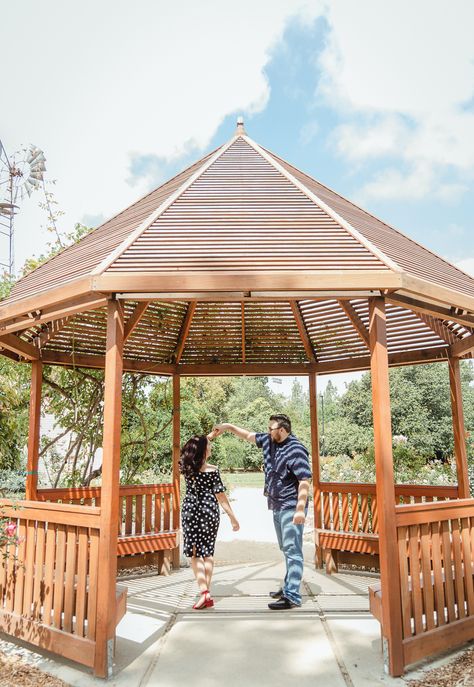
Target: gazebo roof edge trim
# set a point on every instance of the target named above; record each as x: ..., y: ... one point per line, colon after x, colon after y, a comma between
x: 131, y: 238
x: 72, y: 289
x: 326, y: 208
x: 435, y: 292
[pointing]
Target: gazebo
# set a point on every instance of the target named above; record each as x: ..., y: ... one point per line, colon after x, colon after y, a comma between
x: 240, y: 264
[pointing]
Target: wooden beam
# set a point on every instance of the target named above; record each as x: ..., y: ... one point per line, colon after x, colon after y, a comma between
x: 183, y: 335
x: 459, y: 429
x: 271, y: 280
x: 98, y: 362
x: 356, y: 322
x: 134, y: 319
x: 431, y: 355
x: 52, y: 313
x: 22, y: 348
x: 385, y: 487
x: 306, y: 341
x: 252, y: 369
x: 34, y: 430
x: 462, y: 346
x: 438, y: 311
x: 9, y: 354
x: 232, y: 296
x: 315, y: 461
x: 109, y: 505
x: 243, y: 331
x: 175, y: 471
x: 428, y: 355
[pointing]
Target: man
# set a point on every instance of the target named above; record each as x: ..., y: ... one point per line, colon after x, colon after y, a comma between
x: 287, y: 479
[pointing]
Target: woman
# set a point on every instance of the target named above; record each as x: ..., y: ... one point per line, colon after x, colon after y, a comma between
x: 200, y: 512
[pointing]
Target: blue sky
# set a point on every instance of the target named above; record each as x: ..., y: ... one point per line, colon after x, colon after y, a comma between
x: 376, y: 100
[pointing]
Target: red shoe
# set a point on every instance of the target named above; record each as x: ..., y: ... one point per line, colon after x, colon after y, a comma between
x: 208, y: 602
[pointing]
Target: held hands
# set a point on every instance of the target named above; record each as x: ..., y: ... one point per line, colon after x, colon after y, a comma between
x: 299, y: 518
x: 217, y: 430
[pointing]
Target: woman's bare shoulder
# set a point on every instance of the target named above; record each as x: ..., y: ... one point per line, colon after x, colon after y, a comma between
x: 211, y: 468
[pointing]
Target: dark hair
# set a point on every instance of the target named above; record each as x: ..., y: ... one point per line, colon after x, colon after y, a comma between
x: 283, y: 421
x: 193, y: 455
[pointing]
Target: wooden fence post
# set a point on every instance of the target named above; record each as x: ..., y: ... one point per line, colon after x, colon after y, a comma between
x: 313, y: 407
x: 109, y: 505
x: 176, y: 473
x: 385, y: 489
x: 459, y: 429
x: 34, y: 430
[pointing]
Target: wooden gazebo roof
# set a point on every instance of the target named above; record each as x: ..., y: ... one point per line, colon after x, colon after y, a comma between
x: 241, y: 262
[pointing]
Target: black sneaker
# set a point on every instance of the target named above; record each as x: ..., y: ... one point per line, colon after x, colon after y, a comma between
x: 277, y: 595
x: 283, y: 604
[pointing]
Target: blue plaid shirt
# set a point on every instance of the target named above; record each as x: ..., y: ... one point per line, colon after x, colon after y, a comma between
x: 288, y: 466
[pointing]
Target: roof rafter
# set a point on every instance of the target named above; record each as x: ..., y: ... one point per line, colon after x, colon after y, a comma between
x: 438, y: 327
x: 134, y: 319
x: 183, y: 335
x: 51, y: 330
x: 355, y: 320
x: 300, y: 323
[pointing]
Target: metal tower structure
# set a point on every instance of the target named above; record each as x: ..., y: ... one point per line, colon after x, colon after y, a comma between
x: 20, y: 174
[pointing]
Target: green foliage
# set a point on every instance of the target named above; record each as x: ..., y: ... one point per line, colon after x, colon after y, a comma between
x: 14, y: 408
x: 344, y: 437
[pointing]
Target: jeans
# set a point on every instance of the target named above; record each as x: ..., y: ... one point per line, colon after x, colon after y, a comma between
x: 290, y: 541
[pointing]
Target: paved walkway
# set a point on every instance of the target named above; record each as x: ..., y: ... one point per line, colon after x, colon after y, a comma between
x: 332, y: 640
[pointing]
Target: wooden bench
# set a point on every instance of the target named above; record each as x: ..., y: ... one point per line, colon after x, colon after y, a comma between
x: 160, y: 549
x: 346, y: 522
x: 120, y: 603
x: 148, y: 531
x: 361, y: 548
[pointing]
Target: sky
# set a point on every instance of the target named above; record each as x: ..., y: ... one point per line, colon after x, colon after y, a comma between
x: 374, y: 99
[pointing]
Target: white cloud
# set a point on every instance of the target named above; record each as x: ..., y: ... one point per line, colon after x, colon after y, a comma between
x: 405, y: 72
x: 93, y: 82
x: 467, y: 265
x: 392, y: 183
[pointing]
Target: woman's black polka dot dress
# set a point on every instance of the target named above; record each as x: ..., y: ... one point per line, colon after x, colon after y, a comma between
x: 200, y: 513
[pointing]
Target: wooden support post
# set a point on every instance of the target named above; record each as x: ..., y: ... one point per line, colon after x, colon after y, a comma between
x: 109, y: 505
x: 389, y: 564
x: 34, y: 430
x: 313, y: 408
x: 459, y: 429
x: 176, y: 454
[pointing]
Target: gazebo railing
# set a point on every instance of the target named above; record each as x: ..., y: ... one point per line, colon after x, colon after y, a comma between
x: 148, y: 514
x: 49, y: 577
x: 436, y: 568
x: 345, y: 507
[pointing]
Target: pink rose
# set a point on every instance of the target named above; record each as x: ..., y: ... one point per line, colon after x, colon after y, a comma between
x: 10, y: 529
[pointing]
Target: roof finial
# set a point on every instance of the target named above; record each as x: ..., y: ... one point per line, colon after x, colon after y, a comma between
x: 240, y: 131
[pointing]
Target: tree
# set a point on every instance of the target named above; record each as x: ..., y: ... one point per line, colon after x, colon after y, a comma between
x: 14, y: 404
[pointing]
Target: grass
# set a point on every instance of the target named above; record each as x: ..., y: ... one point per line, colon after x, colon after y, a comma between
x: 234, y: 480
